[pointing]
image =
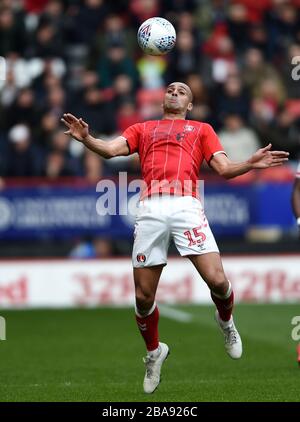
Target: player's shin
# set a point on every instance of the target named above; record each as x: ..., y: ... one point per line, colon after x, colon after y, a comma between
x: 224, y: 303
x: 148, y: 325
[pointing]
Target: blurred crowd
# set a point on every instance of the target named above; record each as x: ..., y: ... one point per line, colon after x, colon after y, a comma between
x: 82, y: 56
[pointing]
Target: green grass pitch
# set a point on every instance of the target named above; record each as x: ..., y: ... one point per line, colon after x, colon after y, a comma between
x: 96, y: 355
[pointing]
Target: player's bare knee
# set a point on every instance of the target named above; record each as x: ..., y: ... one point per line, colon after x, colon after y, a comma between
x: 216, y: 280
x: 144, y: 301
x: 220, y: 288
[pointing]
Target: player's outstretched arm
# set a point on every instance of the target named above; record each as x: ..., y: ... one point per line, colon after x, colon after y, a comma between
x: 79, y: 129
x: 262, y: 159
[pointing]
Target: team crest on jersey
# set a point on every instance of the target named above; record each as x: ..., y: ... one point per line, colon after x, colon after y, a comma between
x: 188, y: 128
x: 141, y: 257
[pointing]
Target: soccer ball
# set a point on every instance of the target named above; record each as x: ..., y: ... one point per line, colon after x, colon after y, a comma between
x: 156, y: 36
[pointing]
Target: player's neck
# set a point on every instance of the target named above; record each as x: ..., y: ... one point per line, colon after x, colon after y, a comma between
x: 173, y: 116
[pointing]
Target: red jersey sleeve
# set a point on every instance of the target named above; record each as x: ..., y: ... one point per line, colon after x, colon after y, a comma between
x: 210, y: 143
x: 132, y: 135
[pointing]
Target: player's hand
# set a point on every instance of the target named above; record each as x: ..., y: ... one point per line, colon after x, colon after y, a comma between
x: 264, y: 158
x: 77, y: 128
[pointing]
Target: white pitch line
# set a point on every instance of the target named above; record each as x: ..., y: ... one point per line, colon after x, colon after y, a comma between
x: 175, y: 314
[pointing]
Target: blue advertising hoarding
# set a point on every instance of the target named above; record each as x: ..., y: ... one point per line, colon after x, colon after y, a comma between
x: 66, y: 211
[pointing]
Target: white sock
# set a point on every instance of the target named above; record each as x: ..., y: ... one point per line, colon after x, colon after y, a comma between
x: 226, y: 324
x: 154, y: 353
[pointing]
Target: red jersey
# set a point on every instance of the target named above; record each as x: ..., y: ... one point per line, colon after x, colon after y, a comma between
x: 172, y: 151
